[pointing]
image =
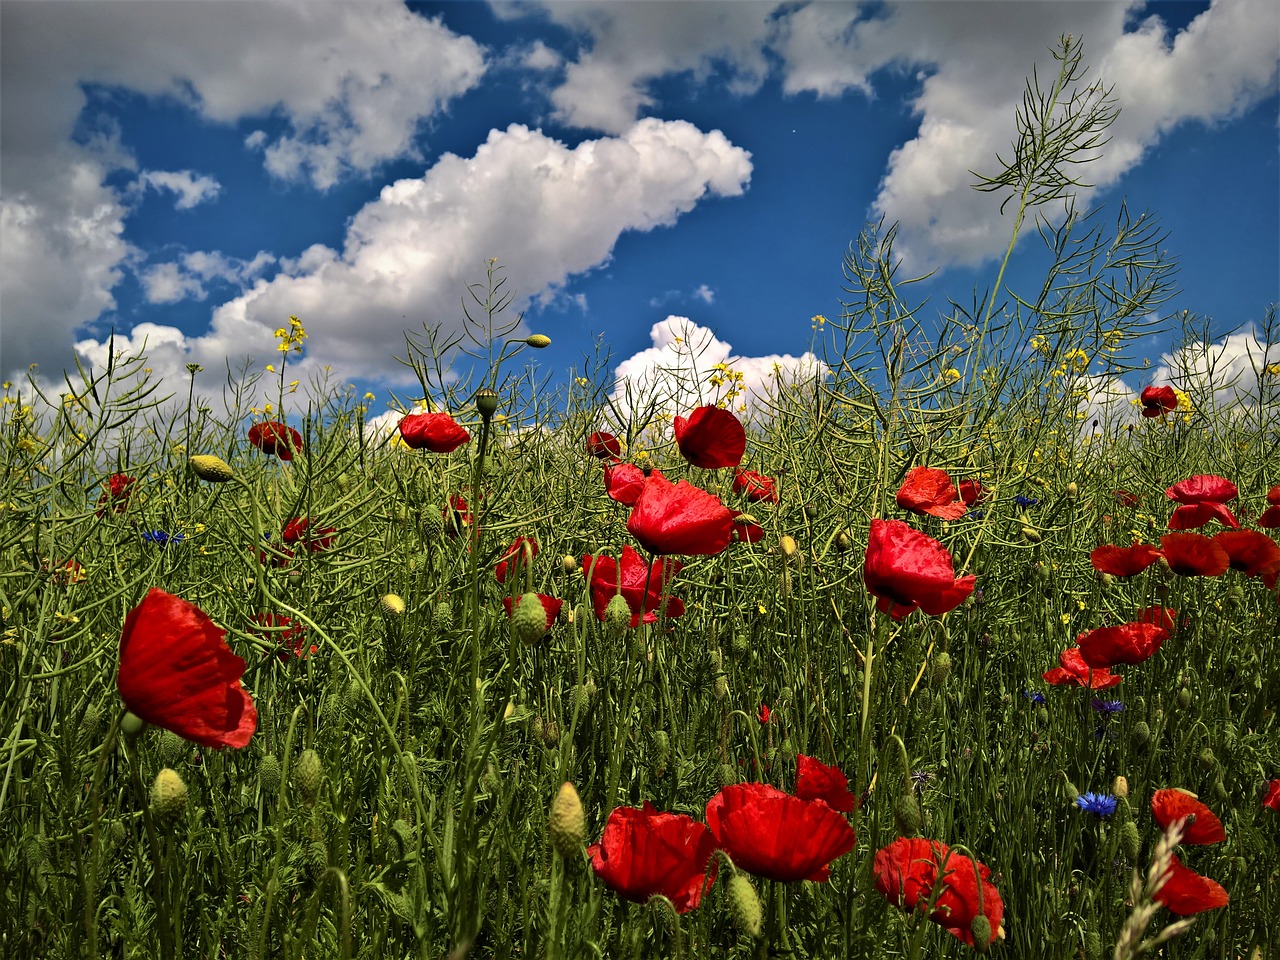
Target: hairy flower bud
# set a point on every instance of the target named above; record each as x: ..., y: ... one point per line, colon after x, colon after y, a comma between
x: 567, y: 823
x: 392, y: 605
x: 168, y: 796
x: 744, y: 905
x: 308, y: 774
x: 269, y: 774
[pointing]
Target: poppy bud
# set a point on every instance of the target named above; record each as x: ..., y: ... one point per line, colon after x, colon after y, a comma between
x: 1207, y: 759
x: 844, y: 543
x: 569, y: 564
x: 581, y: 697
x: 538, y: 340
x: 740, y: 645
x: 617, y: 617
x: 1031, y: 535
x: 906, y: 813
x: 980, y: 927
x: 442, y: 617
x: 308, y: 774
x: 566, y: 823
x: 486, y: 401
x: 132, y: 725
x: 638, y: 646
x: 726, y: 775
x: 744, y: 905
x: 211, y: 468
x: 1121, y: 787
x: 1185, y: 699
x: 661, y: 746
x: 35, y: 852
x: 787, y: 544
x: 528, y: 619
x: 168, y: 796
x: 92, y: 723
x: 1073, y: 491
x: 1220, y: 789
x: 317, y: 858
x: 550, y: 733
x: 1130, y: 840
x: 392, y: 605
x: 941, y: 668
x: 269, y: 774
x: 432, y: 525
x: 171, y: 747
x: 1141, y: 734
x: 1072, y: 792
x: 722, y: 687
x: 788, y: 750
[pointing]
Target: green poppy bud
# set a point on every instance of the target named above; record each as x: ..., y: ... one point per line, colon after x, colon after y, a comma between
x: 168, y: 796
x: 567, y: 823
x: 269, y: 774
x: 744, y: 905
x: 308, y: 774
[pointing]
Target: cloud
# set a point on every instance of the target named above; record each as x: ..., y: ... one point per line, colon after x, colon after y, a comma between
x: 345, y: 86
x: 192, y: 189
x: 688, y: 366
x: 701, y: 292
x: 186, y: 277
x: 1220, y: 374
x: 549, y: 211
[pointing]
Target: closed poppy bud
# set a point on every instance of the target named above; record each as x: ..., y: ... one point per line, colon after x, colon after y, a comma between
x: 538, y: 340
x: 168, y: 796
x: 1185, y: 699
x: 569, y: 563
x: 941, y: 667
x: 566, y: 823
x: 980, y: 927
x: 744, y: 905
x: 617, y: 617
x: 308, y: 774
x: 844, y: 543
x: 906, y: 814
x: 269, y: 774
x: 1121, y: 787
x: 1207, y: 759
x: 211, y: 468
x: 1073, y: 491
x: 529, y: 619
x: 1141, y: 734
x: 726, y: 775
x: 1130, y: 840
x: 787, y: 545
x: 1031, y: 535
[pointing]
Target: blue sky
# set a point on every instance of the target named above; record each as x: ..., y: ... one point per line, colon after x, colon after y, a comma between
x: 192, y: 173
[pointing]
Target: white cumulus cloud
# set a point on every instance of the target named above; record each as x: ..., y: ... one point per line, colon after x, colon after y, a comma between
x: 190, y: 188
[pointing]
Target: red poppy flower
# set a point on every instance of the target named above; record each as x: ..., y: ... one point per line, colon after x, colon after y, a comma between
x: 550, y: 607
x: 1251, y: 552
x: 907, y: 570
x: 643, y: 585
x: 298, y: 530
x: 1193, y: 516
x: 772, y: 834
x: 929, y: 491
x: 1123, y: 561
x: 1165, y: 617
x: 604, y: 445
x: 275, y: 556
x: 1157, y: 401
x: 177, y: 672
x: 643, y: 853
x: 711, y: 438
x: 457, y: 516
x: 1271, y: 798
x: 64, y: 573
x: 817, y: 781
x: 744, y: 531
x: 757, y: 487
x: 679, y: 518
x: 1125, y: 498
x: 117, y: 493
x: 971, y: 492
x: 515, y: 557
x: 1074, y: 672
x: 437, y: 432
x: 1202, y: 825
x: 283, y: 630
x: 272, y: 436
x: 1271, y: 516
x: 1126, y: 643
x: 906, y: 871
x: 623, y: 482
x: 1205, y: 487
x: 1194, y: 555
x: 1186, y: 892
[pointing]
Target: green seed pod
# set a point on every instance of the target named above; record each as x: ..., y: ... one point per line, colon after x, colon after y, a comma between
x: 211, y: 469
x: 487, y: 401
x: 726, y: 775
x: 132, y: 725
x: 567, y: 823
x: 269, y: 774
x: 617, y: 617
x: 744, y: 905
x: 168, y: 796
x: 308, y: 774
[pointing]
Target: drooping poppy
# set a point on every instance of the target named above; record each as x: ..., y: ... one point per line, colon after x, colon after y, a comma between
x: 816, y: 780
x: 522, y: 551
x: 643, y: 853
x: 457, y: 516
x: 1125, y: 498
x: 971, y: 492
x: 1186, y: 892
x: 925, y: 490
x: 1074, y: 672
x: 276, y: 438
x: 116, y: 495
x: 711, y: 438
x: 291, y: 636
x: 177, y: 672
x: 1251, y: 552
x: 623, y: 482
x: 550, y: 608
x: 764, y: 714
x: 436, y: 432
x: 1271, y: 797
x: 644, y: 585
x: 1123, y: 561
x: 1125, y: 643
x: 604, y: 445
x: 1194, y: 555
x: 298, y: 530
x: 757, y: 487
x: 907, y: 569
x: 679, y: 518
x: 907, y: 870
x: 1157, y: 401
x: 1203, y: 825
x: 775, y: 835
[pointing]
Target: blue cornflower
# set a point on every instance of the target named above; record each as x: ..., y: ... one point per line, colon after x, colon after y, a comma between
x: 1108, y: 708
x: 1099, y: 804
x: 161, y: 539
x: 976, y: 514
x: 1036, y: 697
x: 1025, y: 502
x: 921, y: 778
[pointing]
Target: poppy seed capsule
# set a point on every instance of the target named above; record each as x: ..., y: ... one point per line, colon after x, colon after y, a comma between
x: 308, y: 774
x: 567, y: 823
x: 211, y: 468
x: 168, y: 796
x: 744, y: 905
x: 486, y: 401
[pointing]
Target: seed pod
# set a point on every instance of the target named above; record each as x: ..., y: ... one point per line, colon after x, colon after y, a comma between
x: 567, y: 823
x: 308, y: 774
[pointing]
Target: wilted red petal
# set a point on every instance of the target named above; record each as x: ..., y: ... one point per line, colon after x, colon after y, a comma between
x: 817, y: 781
x: 643, y: 853
x: 1125, y: 498
x: 1203, y: 825
x: 711, y: 438
x: 177, y: 672
x: 929, y: 491
x: 1194, y: 555
x: 772, y: 834
x: 1186, y: 892
x: 1123, y: 561
x: 679, y: 518
x: 757, y: 487
x: 1126, y: 643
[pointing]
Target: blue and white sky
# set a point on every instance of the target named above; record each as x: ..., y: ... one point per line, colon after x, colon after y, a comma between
x: 189, y: 174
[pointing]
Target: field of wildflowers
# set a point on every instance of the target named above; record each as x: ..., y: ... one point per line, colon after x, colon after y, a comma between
x: 906, y: 661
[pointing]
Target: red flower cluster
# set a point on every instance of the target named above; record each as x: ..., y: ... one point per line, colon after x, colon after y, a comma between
x: 644, y: 853
x: 116, y: 496
x: 643, y: 585
x: 757, y: 487
x: 711, y: 438
x: 1157, y: 401
x: 776, y: 835
x: 604, y: 445
x: 907, y: 871
x: 177, y: 672
x: 1126, y: 643
x: 909, y: 570
x: 679, y: 518
x: 1184, y: 891
x: 277, y: 438
x: 1074, y: 672
x: 298, y: 530
x: 1250, y: 552
x: 436, y: 432
x: 929, y: 491
x: 1202, y: 498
